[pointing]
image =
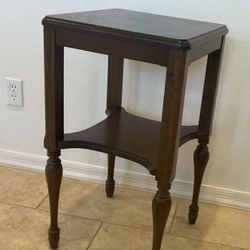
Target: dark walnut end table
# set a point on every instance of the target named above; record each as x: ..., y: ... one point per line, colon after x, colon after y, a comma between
x: 167, y: 41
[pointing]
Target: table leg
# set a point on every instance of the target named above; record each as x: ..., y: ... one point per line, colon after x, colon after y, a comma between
x: 54, y: 177
x: 53, y: 58
x: 161, y: 206
x: 114, y: 100
x: 110, y: 182
x: 169, y: 140
x: 201, y: 154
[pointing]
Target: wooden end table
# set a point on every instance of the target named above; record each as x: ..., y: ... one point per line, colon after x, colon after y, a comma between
x: 167, y: 41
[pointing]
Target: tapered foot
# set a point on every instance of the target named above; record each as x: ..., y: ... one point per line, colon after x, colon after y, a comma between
x: 110, y: 182
x: 54, y: 177
x: 201, y: 156
x: 110, y: 188
x: 54, y: 236
x: 193, y: 214
x: 161, y: 207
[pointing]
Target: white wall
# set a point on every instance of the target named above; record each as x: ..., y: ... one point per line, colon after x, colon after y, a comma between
x: 21, y: 56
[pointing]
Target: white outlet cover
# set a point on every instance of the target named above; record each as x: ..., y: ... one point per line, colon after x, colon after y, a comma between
x: 14, y: 92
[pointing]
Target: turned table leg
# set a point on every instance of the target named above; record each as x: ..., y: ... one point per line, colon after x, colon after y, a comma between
x: 201, y: 154
x: 54, y: 177
x: 161, y: 208
x: 114, y: 100
x: 169, y: 140
x: 53, y: 60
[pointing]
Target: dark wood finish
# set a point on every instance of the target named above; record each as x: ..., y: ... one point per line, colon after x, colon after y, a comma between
x: 110, y: 182
x: 54, y: 177
x: 114, y: 100
x: 125, y: 33
x: 169, y: 140
x: 109, y: 45
x: 201, y: 156
x: 115, y: 77
x: 208, y: 47
x: 124, y: 134
x: 210, y: 91
x: 161, y: 206
x: 130, y: 25
x: 53, y: 64
x: 53, y: 59
x: 171, y: 115
x: 167, y: 41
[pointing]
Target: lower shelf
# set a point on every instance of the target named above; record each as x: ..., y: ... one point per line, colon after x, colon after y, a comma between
x: 127, y: 136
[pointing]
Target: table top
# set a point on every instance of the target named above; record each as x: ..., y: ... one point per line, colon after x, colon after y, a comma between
x: 140, y: 25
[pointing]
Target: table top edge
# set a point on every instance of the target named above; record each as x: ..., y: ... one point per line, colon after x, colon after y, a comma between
x: 184, y: 44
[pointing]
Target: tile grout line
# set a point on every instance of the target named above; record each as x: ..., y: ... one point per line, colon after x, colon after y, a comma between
x: 117, y: 224
x: 206, y: 241
x: 142, y: 228
x: 16, y: 205
x: 24, y: 206
x: 147, y: 228
x: 40, y: 203
x: 97, y: 231
x: 135, y: 227
x: 67, y: 214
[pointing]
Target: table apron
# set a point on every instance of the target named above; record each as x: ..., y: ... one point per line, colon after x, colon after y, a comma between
x: 105, y: 45
x: 206, y: 47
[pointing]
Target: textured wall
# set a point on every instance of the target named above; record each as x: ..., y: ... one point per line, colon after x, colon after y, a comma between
x: 21, y: 56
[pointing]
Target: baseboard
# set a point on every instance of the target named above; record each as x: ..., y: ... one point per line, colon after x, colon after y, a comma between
x: 83, y: 171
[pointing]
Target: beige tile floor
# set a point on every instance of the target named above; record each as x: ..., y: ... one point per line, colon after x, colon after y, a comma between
x: 89, y: 220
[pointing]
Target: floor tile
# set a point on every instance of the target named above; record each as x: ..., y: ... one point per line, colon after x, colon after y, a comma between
x: 127, y: 207
x: 22, y: 187
x: 215, y: 224
x: 115, y: 237
x: 26, y: 229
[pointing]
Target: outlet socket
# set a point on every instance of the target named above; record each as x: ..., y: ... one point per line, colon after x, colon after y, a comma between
x: 14, y: 92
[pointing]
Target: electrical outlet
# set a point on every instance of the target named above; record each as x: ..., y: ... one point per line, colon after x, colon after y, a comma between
x: 14, y: 92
